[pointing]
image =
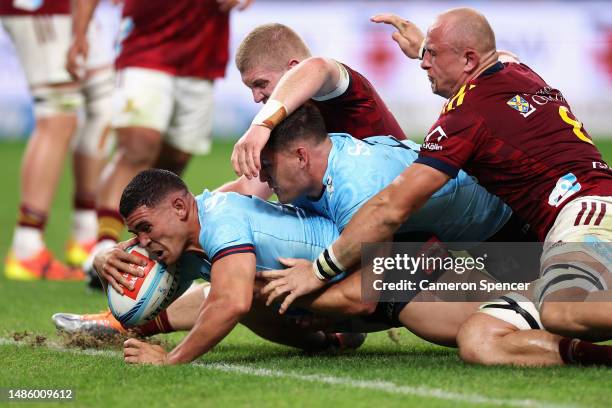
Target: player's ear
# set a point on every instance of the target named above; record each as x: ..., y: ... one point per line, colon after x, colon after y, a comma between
x: 179, y: 205
x: 302, y: 156
x: 472, y: 60
x: 292, y: 63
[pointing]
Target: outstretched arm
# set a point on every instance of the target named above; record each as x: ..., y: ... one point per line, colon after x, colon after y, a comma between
x: 384, y: 213
x: 408, y: 36
x: 229, y: 300
x: 313, y: 77
x: 376, y: 221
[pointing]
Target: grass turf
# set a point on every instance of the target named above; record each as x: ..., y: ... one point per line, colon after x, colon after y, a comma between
x: 245, y: 370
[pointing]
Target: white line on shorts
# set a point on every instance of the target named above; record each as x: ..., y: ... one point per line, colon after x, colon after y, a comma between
x: 374, y: 385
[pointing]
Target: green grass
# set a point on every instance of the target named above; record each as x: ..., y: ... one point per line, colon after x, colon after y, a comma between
x: 104, y: 380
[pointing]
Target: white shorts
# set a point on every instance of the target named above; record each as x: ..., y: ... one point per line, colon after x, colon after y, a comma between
x: 179, y: 107
x: 42, y: 44
x: 578, y: 248
x: 515, y: 309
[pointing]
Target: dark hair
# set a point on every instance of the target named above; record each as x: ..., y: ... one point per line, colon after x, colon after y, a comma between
x: 149, y: 188
x: 305, y: 123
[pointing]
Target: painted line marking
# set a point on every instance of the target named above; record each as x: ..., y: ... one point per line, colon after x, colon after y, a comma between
x: 374, y: 385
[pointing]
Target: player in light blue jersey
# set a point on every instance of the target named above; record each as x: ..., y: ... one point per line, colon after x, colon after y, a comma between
x: 225, y: 237
x: 233, y: 223
x: 335, y: 174
x: 357, y: 170
x: 222, y: 237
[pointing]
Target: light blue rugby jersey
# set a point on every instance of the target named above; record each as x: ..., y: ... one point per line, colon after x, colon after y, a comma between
x: 461, y: 211
x: 233, y: 223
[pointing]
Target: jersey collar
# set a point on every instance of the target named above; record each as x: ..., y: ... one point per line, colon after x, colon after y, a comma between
x: 498, y: 66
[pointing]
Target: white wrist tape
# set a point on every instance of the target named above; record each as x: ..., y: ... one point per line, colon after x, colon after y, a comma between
x: 317, y: 273
x: 326, y: 266
x: 272, y: 113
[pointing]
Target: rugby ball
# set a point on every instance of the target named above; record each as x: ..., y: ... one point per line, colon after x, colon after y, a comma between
x: 152, y: 292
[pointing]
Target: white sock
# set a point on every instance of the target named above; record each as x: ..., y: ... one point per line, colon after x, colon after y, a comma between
x: 84, y: 225
x: 27, y: 242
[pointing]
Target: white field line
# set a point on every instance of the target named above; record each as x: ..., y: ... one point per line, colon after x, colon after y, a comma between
x: 374, y: 385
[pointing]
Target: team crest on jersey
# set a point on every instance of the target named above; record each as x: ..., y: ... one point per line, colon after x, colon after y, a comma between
x: 520, y: 104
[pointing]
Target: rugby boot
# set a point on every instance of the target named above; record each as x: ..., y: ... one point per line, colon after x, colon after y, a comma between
x: 41, y: 266
x: 78, y: 252
x: 100, y: 324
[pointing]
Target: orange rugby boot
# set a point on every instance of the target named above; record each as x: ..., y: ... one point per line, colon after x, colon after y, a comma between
x: 40, y: 266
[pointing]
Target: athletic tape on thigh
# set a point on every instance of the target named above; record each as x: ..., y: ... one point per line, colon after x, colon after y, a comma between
x: 49, y: 101
x: 565, y: 276
x: 515, y: 309
x: 93, y: 138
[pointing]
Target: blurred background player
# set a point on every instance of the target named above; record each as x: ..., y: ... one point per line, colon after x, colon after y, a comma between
x: 170, y: 54
x: 41, y: 34
x: 93, y: 140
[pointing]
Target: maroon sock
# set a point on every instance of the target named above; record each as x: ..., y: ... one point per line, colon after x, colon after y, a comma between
x: 83, y: 202
x: 31, y: 218
x: 158, y: 325
x: 574, y: 351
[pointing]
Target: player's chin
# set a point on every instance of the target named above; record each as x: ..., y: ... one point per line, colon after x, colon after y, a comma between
x: 170, y: 258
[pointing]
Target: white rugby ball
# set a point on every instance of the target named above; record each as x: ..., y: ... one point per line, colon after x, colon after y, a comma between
x: 151, y: 294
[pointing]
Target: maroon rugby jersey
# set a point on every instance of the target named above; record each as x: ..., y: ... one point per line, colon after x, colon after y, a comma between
x: 180, y: 37
x: 359, y: 111
x: 7, y: 8
x: 518, y: 137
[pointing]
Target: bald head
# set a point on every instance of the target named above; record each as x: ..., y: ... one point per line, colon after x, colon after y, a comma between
x: 466, y: 28
x: 459, y: 46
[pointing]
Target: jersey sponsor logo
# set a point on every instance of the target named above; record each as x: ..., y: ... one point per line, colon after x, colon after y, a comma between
x: 566, y: 187
x: 520, y: 104
x: 214, y: 200
x: 329, y: 185
x: 600, y: 165
x: 433, y: 138
x: 547, y: 94
x: 360, y: 149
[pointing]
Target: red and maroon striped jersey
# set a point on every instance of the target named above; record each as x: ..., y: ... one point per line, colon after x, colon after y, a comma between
x: 519, y: 138
x: 359, y: 111
x: 180, y: 37
x: 29, y: 7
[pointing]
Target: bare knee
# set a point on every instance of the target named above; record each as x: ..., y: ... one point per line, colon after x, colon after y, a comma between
x: 478, y: 340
